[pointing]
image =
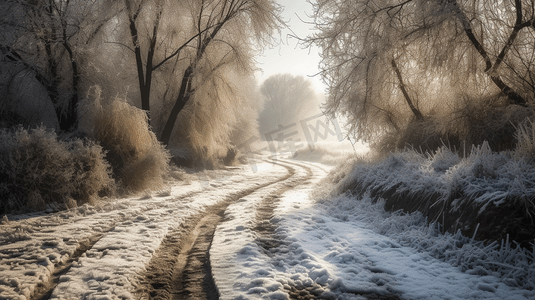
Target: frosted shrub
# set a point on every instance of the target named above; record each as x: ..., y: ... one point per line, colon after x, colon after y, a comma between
x: 92, y: 169
x: 139, y: 161
x: 218, y: 122
x: 525, y: 136
x: 37, y: 169
x: 146, y: 171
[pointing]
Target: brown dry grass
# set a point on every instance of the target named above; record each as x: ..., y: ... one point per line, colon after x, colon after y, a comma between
x: 139, y: 160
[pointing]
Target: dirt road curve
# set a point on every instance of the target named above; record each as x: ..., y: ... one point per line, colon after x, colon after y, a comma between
x: 180, y: 269
x: 156, y: 247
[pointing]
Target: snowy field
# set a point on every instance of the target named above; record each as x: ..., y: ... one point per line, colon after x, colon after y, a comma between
x: 338, y: 248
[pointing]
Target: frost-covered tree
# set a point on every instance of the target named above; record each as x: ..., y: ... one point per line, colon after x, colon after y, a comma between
x: 286, y: 99
x: 388, y: 63
x: 184, y: 45
x: 226, y: 28
x: 40, y: 45
x: 219, y: 118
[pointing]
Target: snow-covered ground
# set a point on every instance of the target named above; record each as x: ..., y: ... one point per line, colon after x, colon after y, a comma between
x: 334, y: 247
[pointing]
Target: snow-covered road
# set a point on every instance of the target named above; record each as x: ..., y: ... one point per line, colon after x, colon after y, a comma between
x: 100, y: 251
x: 273, y: 240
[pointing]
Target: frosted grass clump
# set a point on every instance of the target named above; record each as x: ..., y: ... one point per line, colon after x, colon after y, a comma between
x: 525, y: 136
x: 405, y: 171
x: 483, y: 178
x: 488, y: 177
x: 442, y: 160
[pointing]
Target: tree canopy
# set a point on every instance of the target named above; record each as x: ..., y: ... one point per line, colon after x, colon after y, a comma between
x: 392, y: 62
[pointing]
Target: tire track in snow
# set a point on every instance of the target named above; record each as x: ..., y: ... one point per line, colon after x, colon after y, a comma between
x: 44, y: 289
x: 250, y: 237
x: 180, y: 268
x: 264, y: 228
x: 53, y: 242
x: 275, y: 245
x: 113, y: 267
x: 315, y: 290
x: 49, y: 250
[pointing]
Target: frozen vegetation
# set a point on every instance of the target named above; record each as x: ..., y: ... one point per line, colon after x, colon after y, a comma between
x: 486, y: 195
x: 113, y: 151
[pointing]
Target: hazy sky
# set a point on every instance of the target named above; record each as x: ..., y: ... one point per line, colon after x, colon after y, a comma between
x: 289, y: 57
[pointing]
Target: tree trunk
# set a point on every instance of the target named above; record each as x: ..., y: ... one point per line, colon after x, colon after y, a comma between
x: 53, y: 86
x: 491, y: 69
x: 70, y: 121
x: 403, y: 88
x: 144, y: 76
x: 183, y: 98
x: 143, y: 89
